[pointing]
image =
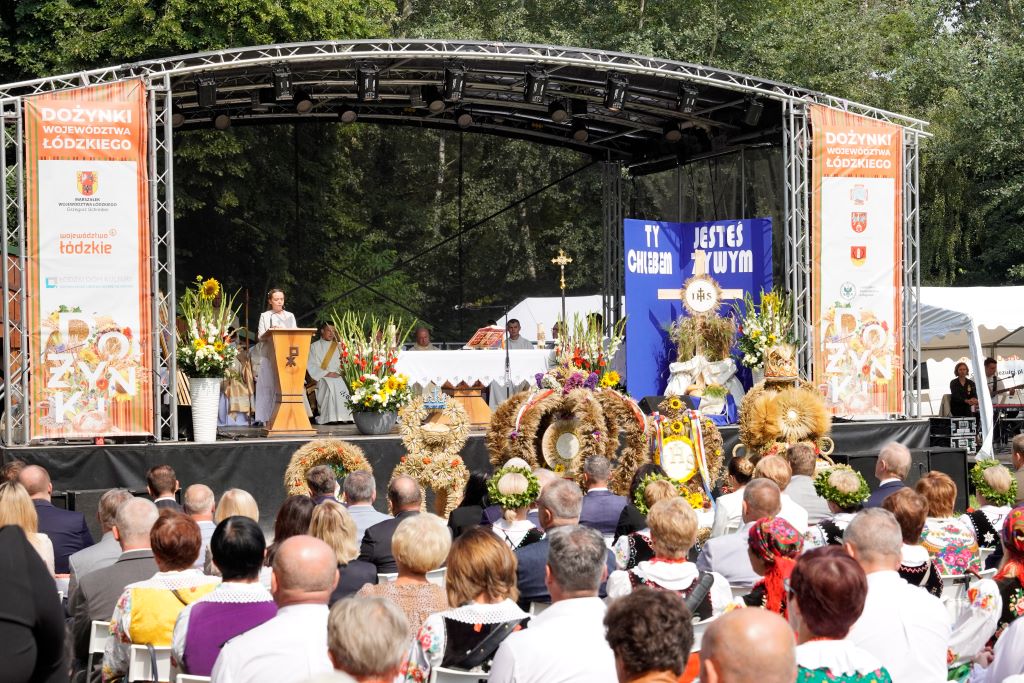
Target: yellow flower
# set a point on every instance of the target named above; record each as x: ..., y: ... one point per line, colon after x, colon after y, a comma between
x: 209, y: 289
x: 88, y: 355
x: 356, y: 384
x: 198, y: 343
x: 392, y: 383
x: 677, y: 427
x: 674, y: 403
x: 696, y: 500
x: 218, y: 346
x: 610, y: 379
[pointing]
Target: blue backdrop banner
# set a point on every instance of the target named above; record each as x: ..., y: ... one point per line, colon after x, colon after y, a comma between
x: 660, y: 256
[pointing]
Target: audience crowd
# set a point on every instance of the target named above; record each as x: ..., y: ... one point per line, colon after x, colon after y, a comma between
x: 799, y: 573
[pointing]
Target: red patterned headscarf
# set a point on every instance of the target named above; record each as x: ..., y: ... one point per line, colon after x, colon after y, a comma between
x: 1013, y: 544
x: 776, y: 543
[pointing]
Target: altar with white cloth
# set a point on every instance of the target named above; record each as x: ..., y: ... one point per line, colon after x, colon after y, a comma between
x: 473, y: 367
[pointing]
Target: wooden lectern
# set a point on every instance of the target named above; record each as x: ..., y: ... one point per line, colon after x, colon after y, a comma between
x: 290, y: 349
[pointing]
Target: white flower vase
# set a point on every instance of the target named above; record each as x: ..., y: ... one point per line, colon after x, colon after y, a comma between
x: 205, y: 393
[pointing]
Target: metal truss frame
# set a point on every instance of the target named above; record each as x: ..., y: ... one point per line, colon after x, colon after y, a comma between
x: 12, y: 224
x: 614, y: 243
x: 159, y: 105
x: 796, y: 153
x: 912, y: 357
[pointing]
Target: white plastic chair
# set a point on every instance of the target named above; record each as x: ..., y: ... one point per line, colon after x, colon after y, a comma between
x: 984, y: 554
x: 437, y: 576
x: 698, y: 632
x: 739, y: 591
x: 140, y: 668
x: 386, y: 578
x: 188, y: 678
x: 538, y: 607
x: 440, y: 674
x: 99, y: 634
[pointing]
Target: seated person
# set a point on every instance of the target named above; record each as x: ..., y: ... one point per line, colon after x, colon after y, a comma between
x: 634, y: 548
x: 147, y: 610
x: 773, y: 545
x: 422, y: 343
x: 673, y: 532
x: 916, y: 566
x: 996, y: 492
x: 845, y: 491
x: 324, y: 367
x: 949, y: 540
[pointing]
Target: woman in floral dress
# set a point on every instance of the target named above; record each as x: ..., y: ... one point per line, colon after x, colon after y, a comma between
x: 949, y: 540
x: 481, y: 582
x: 1010, y: 577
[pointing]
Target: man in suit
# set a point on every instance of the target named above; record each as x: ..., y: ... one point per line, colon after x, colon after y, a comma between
x: 66, y: 528
x: 601, y: 507
x: 322, y: 484
x: 558, y: 506
x: 727, y: 554
x: 891, y: 469
x: 1018, y: 465
x: 802, y: 460
x: 404, y: 501
x: 360, y: 490
x: 162, y: 484
x: 98, y: 591
x: 106, y: 551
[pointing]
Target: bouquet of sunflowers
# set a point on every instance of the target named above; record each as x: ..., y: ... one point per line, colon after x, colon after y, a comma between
x: 763, y: 326
x: 204, y: 344
x: 378, y: 394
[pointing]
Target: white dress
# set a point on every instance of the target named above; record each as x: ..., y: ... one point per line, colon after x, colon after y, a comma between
x: 331, y: 392
x: 266, y: 385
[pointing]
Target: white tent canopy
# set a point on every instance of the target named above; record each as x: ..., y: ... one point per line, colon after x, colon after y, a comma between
x: 544, y: 311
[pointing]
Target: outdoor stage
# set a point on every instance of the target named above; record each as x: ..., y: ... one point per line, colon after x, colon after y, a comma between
x: 245, y: 460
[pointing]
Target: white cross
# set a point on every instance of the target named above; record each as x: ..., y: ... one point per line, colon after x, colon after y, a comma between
x: 700, y: 258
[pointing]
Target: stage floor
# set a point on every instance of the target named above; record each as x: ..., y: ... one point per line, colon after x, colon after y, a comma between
x: 241, y: 458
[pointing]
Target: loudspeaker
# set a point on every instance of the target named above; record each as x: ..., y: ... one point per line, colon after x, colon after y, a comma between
x: 649, y: 404
x: 952, y: 461
x: 87, y: 502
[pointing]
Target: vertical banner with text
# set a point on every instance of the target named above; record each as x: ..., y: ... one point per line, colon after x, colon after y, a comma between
x: 857, y: 256
x: 88, y: 256
x: 660, y: 258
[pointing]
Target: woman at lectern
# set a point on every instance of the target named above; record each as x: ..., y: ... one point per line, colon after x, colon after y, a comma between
x: 963, y: 394
x: 274, y: 317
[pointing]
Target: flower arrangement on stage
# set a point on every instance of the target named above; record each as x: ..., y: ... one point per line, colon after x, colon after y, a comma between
x: 369, y: 349
x: 710, y: 336
x: 763, y: 326
x: 434, y: 429
x: 689, y: 448
x: 584, y: 347
x: 341, y: 456
x: 374, y: 394
x: 204, y: 348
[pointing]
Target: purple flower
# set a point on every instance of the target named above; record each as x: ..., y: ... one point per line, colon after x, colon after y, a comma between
x: 597, y: 434
x: 540, y: 379
x: 591, y: 382
x: 575, y: 381
x: 514, y: 435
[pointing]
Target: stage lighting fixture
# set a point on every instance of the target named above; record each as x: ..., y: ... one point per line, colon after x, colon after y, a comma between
x: 221, y: 121
x: 206, y: 91
x: 580, y: 133
x: 303, y: 102
x: 432, y: 96
x: 755, y: 108
x: 368, y: 82
x: 557, y: 111
x: 454, y: 81
x: 687, y: 99
x: 347, y: 114
x: 671, y: 132
x: 536, y: 83
x: 283, y: 85
x: 463, y: 118
x: 615, y: 92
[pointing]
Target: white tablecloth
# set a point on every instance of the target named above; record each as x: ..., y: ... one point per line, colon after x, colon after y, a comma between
x: 486, y: 367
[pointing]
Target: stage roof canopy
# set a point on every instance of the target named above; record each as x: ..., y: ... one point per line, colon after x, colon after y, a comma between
x: 649, y: 113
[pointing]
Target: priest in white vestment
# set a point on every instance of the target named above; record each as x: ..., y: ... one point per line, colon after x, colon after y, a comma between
x: 324, y: 367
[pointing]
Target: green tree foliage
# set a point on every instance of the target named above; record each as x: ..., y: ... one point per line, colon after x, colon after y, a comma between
x: 319, y: 207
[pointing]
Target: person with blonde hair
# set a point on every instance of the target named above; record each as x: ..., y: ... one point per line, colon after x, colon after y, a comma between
x: 845, y: 490
x: 234, y: 503
x: 673, y: 532
x: 481, y: 586
x: 332, y: 524
x: 949, y: 540
x: 515, y: 489
x: 420, y: 544
x: 632, y: 549
x: 366, y: 655
x: 16, y: 509
x: 996, y: 489
x: 777, y: 469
